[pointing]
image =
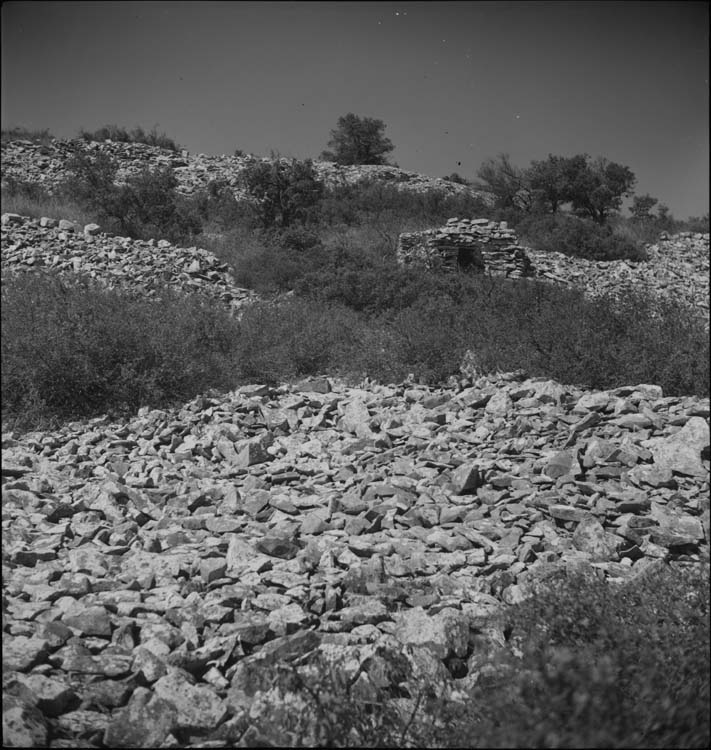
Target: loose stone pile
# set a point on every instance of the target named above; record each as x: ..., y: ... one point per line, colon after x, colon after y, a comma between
x: 677, y: 268
x: 135, y: 266
x: 335, y: 174
x: 157, y: 570
x: 466, y: 243
x: 46, y: 164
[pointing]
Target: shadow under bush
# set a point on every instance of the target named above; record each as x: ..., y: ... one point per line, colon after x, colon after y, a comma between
x: 72, y: 349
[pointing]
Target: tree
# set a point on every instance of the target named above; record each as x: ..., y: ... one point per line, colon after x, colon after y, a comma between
x: 284, y: 191
x: 665, y: 221
x: 90, y: 183
x: 358, y: 140
x: 697, y: 224
x: 596, y: 188
x: 641, y: 207
x: 550, y: 181
x: 457, y: 178
x: 505, y: 182
x: 152, y: 207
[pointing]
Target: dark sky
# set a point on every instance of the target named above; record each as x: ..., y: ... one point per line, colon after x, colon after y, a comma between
x: 454, y: 82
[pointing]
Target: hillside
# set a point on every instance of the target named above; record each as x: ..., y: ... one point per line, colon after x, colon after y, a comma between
x: 677, y: 266
x: 321, y: 562
x: 45, y: 164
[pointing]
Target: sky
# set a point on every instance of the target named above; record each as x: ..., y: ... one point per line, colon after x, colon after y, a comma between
x: 455, y: 83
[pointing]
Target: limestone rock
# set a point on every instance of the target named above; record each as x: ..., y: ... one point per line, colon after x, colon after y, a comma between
x: 683, y: 452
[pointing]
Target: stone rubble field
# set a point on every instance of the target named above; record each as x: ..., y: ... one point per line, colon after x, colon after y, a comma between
x: 159, y: 570
x: 137, y: 266
x: 678, y: 268
x: 154, y: 568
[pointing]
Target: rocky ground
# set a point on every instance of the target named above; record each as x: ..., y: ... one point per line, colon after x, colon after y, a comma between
x: 152, y: 567
x: 677, y: 268
x: 157, y: 570
x: 45, y: 163
x: 135, y: 266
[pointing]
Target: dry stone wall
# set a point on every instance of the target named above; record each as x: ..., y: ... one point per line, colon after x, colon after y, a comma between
x: 481, y: 244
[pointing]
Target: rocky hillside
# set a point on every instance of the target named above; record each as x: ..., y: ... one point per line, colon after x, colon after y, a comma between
x: 46, y: 164
x: 137, y: 267
x: 159, y: 570
x: 678, y: 266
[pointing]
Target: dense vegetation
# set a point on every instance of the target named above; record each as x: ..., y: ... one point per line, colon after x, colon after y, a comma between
x: 353, y: 312
x: 72, y: 349
x: 599, y: 665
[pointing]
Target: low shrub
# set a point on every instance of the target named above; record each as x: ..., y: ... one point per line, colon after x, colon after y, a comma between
x: 19, y: 133
x: 595, y: 665
x: 218, y: 209
x: 137, y: 135
x: 90, y: 182
x: 29, y: 198
x: 605, y: 665
x: 148, y: 206
x: 78, y: 349
x: 72, y: 349
x: 293, y: 338
x: 285, y: 192
x: 698, y: 224
x: 263, y: 262
x: 578, y: 237
x: 375, y: 201
x: 24, y: 190
x: 637, y: 231
x: 377, y: 286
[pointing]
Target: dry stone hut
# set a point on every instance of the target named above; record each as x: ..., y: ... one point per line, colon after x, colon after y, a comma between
x: 467, y: 244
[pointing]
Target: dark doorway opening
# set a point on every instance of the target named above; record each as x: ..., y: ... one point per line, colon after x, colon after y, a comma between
x: 469, y: 259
